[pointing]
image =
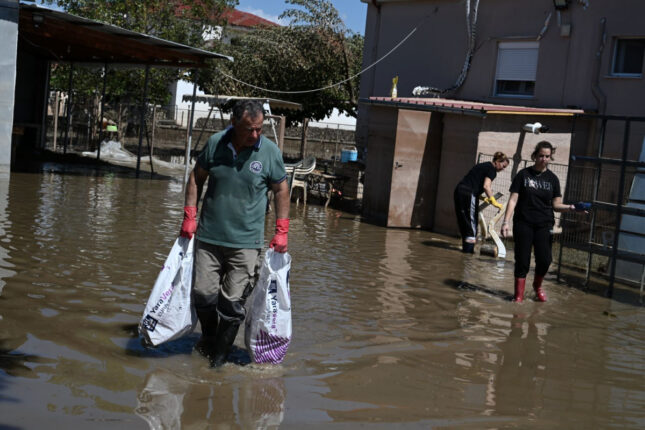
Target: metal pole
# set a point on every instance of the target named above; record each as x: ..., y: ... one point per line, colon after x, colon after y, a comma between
x: 190, y: 127
x: 594, y: 197
x: 619, y: 209
x: 43, y: 127
x: 204, y: 127
x: 281, y: 130
x: 573, y: 130
x: 152, y: 168
x: 56, y: 113
x: 517, y: 157
x: 152, y: 132
x: 142, y: 122
x: 69, y: 108
x: 272, y: 121
x: 98, y: 149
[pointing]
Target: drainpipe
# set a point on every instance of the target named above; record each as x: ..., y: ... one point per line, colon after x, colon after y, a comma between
x: 600, y: 97
x: 376, y: 43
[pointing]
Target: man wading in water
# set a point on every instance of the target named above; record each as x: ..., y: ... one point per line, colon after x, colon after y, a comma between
x: 241, y: 166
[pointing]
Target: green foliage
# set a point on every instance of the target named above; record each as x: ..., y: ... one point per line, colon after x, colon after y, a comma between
x: 316, y: 50
x: 180, y: 21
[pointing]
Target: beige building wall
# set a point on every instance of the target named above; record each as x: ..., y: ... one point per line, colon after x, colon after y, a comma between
x: 465, y: 137
x: 568, y: 72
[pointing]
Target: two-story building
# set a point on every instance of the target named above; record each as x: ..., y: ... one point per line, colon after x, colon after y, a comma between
x: 470, y: 75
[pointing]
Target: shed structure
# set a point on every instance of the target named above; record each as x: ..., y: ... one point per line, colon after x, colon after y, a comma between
x: 46, y: 36
x: 418, y: 150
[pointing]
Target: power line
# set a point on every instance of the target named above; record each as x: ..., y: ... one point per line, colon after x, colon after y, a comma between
x: 328, y: 86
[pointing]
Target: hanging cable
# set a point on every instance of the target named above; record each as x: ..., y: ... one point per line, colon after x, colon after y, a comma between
x: 471, y: 23
x: 328, y: 86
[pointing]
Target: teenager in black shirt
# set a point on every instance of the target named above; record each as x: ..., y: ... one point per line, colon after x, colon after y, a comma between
x: 535, y: 194
x: 478, y: 180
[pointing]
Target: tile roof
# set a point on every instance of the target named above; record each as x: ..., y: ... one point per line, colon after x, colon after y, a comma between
x: 245, y: 19
x: 467, y: 106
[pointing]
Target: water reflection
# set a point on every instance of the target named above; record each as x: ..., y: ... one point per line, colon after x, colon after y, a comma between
x: 521, y: 362
x: 5, y: 227
x: 389, y: 327
x: 170, y: 401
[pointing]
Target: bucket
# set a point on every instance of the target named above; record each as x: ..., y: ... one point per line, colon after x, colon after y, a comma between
x: 347, y: 155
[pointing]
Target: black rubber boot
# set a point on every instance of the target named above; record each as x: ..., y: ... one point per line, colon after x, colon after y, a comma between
x: 208, y: 320
x: 468, y: 247
x: 226, y: 332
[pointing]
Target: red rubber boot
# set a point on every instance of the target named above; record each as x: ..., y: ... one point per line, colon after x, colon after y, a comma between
x: 537, y: 286
x: 520, y: 283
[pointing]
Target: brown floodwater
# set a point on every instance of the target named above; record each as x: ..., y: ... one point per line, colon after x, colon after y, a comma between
x: 391, y: 328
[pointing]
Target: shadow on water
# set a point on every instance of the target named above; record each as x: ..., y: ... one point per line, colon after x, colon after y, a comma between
x: 624, y: 294
x: 465, y: 286
x: 391, y: 328
x: 182, y: 346
x: 442, y: 244
x: 136, y: 348
x: 15, y: 363
x: 77, y: 165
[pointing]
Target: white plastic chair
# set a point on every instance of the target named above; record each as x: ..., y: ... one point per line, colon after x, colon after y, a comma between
x: 299, y: 173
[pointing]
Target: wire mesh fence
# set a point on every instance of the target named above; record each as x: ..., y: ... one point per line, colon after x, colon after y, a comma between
x: 610, y: 240
x: 79, y: 127
x: 503, y: 180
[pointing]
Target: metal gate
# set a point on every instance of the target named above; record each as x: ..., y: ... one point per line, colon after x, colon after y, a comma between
x: 606, y: 168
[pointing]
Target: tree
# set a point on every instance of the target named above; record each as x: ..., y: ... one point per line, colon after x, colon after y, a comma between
x: 181, y: 21
x: 315, y: 51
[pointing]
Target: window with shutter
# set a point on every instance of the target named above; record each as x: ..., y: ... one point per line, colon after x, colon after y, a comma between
x: 516, y: 69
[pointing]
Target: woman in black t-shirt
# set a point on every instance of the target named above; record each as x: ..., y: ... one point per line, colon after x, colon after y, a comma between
x: 478, y: 180
x: 535, y: 194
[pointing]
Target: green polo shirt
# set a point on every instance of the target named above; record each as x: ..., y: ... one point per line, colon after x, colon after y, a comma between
x: 235, y: 203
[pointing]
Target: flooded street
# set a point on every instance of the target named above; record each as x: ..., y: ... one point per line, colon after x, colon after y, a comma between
x: 392, y: 328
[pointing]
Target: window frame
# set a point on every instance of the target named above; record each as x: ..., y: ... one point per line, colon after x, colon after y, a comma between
x: 614, y: 59
x: 519, y: 45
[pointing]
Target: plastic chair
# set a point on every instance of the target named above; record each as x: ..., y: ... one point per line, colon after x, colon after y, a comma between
x: 299, y: 176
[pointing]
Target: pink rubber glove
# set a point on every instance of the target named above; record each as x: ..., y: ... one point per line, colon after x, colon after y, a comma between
x: 189, y: 226
x: 279, y: 241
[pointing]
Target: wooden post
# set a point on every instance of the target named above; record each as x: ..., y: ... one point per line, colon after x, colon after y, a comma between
x: 303, y: 139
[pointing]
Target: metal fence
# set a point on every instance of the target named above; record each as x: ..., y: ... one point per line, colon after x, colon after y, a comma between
x: 610, y: 241
x: 166, y: 133
x: 504, y: 178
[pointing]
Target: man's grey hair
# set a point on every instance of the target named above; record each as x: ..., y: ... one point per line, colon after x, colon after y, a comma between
x: 252, y: 107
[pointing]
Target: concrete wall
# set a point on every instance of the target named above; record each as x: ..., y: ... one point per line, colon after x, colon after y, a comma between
x: 8, y: 62
x: 568, y: 74
x: 29, y: 102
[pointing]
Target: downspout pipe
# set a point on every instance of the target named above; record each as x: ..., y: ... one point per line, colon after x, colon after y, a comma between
x: 600, y: 97
x: 376, y: 43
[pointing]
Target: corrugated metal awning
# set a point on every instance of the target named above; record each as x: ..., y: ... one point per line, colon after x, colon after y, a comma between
x: 60, y: 36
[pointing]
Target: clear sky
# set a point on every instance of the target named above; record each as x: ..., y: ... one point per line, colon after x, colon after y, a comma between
x: 352, y: 12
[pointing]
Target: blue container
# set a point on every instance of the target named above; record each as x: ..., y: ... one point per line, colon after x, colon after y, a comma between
x: 347, y: 155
